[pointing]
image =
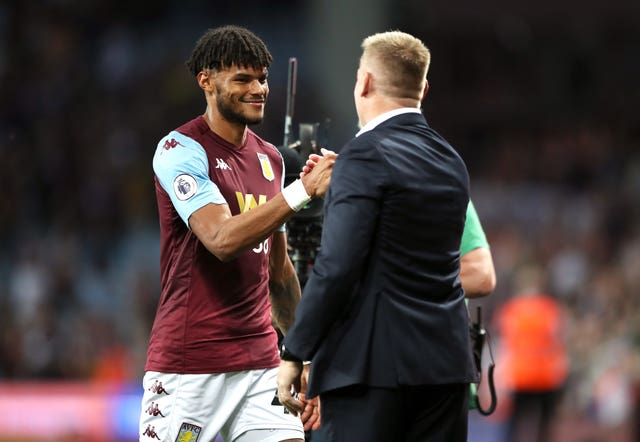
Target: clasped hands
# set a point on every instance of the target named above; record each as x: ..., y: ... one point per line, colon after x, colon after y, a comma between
x: 293, y: 377
x: 316, y: 172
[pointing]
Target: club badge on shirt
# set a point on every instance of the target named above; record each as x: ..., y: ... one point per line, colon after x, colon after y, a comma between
x: 188, y: 433
x: 267, y: 171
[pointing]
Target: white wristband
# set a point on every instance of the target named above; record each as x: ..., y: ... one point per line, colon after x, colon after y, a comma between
x: 295, y: 195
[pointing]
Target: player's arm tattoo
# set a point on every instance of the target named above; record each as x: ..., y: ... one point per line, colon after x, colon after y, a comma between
x: 285, y: 295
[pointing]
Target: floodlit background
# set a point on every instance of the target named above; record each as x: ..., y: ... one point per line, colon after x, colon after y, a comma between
x: 540, y: 98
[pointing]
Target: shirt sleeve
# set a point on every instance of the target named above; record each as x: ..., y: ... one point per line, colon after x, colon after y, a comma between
x: 473, y: 235
x: 182, y: 168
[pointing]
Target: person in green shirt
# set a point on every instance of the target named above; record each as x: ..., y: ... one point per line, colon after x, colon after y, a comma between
x: 477, y: 273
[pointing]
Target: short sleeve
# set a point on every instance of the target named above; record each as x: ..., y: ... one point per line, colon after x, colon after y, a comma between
x: 473, y: 235
x: 182, y: 168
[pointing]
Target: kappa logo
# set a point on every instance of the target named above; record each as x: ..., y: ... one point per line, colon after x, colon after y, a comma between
x: 170, y: 144
x: 188, y: 433
x: 154, y: 410
x: 157, y: 388
x: 185, y: 186
x: 151, y: 432
x: 220, y: 164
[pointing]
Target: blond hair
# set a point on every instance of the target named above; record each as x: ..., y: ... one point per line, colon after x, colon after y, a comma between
x: 400, y: 61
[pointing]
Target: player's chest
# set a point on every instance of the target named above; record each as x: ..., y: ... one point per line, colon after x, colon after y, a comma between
x: 245, y: 180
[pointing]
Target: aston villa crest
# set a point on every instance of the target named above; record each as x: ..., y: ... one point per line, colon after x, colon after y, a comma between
x: 188, y: 433
x: 267, y: 171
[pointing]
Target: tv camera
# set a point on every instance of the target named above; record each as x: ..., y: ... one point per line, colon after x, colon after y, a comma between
x: 304, y: 229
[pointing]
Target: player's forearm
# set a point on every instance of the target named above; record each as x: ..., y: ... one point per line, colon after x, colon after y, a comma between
x: 246, y: 230
x: 227, y: 236
x: 284, y: 299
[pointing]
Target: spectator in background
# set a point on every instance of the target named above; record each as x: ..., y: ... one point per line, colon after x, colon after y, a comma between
x: 533, y: 357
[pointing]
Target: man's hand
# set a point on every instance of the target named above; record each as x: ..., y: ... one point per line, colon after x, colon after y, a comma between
x: 310, y: 416
x: 289, y: 375
x: 316, y: 173
x: 313, y: 160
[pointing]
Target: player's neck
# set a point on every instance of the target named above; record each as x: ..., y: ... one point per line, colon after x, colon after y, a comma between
x: 234, y: 133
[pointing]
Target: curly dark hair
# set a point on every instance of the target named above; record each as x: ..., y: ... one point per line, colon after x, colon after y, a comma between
x: 225, y: 46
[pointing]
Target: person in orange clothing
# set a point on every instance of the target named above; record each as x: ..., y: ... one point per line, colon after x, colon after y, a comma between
x: 533, y: 356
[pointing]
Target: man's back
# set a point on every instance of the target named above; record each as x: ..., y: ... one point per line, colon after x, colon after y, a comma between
x: 394, y: 216
x: 382, y: 316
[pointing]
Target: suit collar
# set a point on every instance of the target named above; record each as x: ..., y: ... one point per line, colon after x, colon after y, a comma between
x: 384, y: 117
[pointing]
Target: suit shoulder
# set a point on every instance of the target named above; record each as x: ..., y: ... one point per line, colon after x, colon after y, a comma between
x: 365, y: 144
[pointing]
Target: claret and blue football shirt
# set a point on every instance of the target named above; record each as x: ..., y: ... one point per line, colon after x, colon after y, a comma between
x: 212, y: 316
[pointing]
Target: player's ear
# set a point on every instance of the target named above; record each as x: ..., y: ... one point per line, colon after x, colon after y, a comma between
x: 205, y: 80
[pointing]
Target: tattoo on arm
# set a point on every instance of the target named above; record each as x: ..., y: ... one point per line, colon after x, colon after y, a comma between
x: 284, y: 299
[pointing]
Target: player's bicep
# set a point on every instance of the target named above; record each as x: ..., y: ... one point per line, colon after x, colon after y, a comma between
x: 183, y: 172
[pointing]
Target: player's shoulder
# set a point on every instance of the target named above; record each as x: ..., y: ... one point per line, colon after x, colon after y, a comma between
x: 194, y: 128
x: 263, y: 144
x: 187, y: 135
x: 177, y: 148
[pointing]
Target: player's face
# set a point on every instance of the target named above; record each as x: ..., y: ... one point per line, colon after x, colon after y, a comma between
x: 241, y: 94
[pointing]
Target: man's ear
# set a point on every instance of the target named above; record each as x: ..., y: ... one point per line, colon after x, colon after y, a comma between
x: 425, y: 90
x: 367, y: 84
x: 205, y: 81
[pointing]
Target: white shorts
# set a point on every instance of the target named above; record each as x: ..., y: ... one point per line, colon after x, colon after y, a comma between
x: 196, y: 407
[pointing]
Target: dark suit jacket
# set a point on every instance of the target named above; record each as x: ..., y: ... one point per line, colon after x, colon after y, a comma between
x: 383, y: 305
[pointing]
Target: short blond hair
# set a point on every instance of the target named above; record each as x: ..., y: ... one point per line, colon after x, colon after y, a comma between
x: 401, y: 61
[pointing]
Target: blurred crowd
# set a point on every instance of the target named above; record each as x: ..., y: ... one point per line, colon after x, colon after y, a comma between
x: 546, y: 119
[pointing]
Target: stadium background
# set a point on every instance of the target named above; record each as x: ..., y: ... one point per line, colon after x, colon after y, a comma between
x: 541, y: 99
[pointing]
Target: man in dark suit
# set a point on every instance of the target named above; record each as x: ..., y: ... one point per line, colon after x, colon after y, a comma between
x: 382, y: 316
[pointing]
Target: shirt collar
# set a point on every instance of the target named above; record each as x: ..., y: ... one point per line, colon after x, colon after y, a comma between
x: 384, y: 117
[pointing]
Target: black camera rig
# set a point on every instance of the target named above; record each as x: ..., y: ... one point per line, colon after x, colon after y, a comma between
x: 304, y: 229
